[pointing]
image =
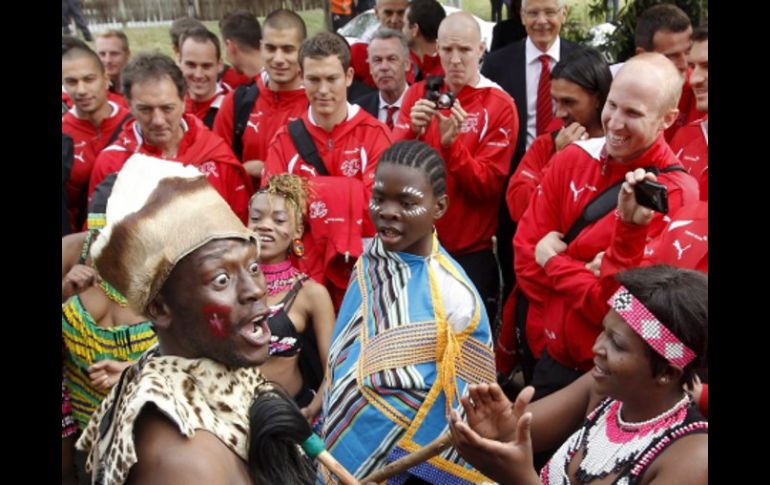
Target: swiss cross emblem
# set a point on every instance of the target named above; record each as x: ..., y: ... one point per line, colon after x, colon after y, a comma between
x: 471, y: 123
x: 350, y: 167
x: 208, y: 169
x: 317, y: 210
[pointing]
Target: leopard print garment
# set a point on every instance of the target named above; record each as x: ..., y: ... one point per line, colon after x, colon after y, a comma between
x: 192, y: 393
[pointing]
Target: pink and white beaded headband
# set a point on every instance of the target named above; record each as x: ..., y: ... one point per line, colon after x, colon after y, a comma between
x: 652, y: 331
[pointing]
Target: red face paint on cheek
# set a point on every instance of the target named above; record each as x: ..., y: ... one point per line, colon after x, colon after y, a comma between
x: 218, y: 318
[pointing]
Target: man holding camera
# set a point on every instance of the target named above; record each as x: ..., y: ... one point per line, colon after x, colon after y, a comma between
x: 556, y: 275
x: 473, y: 123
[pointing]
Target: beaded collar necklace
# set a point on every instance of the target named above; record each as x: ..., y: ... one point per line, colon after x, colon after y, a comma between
x: 279, y: 276
x: 612, y: 443
x: 109, y: 291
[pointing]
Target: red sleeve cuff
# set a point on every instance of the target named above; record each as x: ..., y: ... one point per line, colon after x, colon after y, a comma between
x: 703, y: 402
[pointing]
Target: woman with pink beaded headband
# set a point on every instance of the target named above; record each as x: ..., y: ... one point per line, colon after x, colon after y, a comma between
x: 632, y: 405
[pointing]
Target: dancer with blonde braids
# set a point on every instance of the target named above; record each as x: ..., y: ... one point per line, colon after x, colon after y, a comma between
x: 301, y: 329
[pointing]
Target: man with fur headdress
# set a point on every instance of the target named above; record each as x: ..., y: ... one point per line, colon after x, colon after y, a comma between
x: 183, y: 259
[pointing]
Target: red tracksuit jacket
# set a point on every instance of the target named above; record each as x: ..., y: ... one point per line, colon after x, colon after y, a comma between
x: 528, y: 175
x: 201, y: 108
x: 88, y: 142
x: 429, y: 65
x: 199, y: 147
x: 477, y: 162
x: 691, y: 146
x: 577, y: 174
x: 272, y: 111
x: 231, y: 79
x: 351, y: 151
x: 688, y: 109
x: 682, y: 243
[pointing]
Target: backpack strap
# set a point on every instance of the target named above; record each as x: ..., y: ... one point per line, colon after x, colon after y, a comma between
x: 243, y: 102
x: 115, y: 134
x: 305, y: 146
x: 208, y: 120
x: 604, y: 202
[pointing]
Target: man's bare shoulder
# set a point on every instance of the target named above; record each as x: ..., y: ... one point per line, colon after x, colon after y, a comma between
x: 166, y: 456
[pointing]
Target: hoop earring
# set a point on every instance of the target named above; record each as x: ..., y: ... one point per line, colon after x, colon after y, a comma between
x: 298, y: 248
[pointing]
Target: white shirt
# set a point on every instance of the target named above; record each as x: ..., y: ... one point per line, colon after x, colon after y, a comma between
x: 534, y: 66
x: 457, y: 298
x: 382, y: 113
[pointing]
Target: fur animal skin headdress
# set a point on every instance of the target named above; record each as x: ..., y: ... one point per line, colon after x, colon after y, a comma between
x: 158, y: 213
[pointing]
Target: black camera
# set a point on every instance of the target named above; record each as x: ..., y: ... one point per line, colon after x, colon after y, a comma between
x: 433, y: 92
x: 652, y: 195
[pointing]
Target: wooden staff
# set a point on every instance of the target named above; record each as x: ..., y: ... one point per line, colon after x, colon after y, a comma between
x: 314, y: 447
x: 401, y: 465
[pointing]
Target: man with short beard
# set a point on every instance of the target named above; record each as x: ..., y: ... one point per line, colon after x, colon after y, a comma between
x: 93, y: 122
x: 281, y: 96
x: 421, y: 29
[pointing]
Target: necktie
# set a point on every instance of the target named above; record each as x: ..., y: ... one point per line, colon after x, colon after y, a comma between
x: 389, y: 119
x: 544, y: 106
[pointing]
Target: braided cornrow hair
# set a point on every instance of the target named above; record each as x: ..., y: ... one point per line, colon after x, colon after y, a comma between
x: 416, y: 154
x: 291, y: 187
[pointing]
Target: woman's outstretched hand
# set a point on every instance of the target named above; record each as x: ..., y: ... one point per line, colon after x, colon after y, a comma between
x: 496, y: 439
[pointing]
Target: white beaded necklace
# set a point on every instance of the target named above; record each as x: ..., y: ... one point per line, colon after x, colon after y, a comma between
x: 612, y: 443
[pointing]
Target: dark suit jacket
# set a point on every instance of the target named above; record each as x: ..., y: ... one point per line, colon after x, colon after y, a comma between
x: 506, y: 67
x: 506, y: 32
x: 359, y: 89
x: 370, y: 103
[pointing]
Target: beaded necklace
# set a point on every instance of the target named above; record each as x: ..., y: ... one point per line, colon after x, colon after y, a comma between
x: 279, y: 276
x: 113, y: 294
x: 107, y: 288
x: 613, y: 443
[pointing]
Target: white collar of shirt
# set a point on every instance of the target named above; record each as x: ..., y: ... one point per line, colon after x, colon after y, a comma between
x: 532, y: 53
x: 384, y: 104
x: 113, y: 110
x: 352, y: 111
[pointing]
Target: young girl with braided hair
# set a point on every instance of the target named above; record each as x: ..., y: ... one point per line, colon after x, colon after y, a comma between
x: 301, y: 329
x: 411, y: 334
